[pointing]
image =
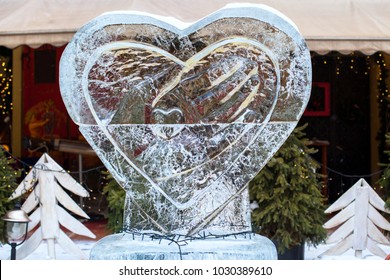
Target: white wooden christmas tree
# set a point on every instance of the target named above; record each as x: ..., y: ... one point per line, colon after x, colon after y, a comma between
x: 45, y: 182
x: 358, y: 225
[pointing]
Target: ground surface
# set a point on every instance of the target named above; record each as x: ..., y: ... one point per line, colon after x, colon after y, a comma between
x: 99, y: 229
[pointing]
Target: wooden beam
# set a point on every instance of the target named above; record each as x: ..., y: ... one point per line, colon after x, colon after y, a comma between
x: 17, y: 101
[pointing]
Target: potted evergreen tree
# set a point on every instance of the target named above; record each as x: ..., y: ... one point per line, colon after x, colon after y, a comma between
x: 288, y: 194
x: 116, y: 200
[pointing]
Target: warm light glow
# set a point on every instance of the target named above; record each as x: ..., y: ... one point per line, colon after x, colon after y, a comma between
x: 5, y: 90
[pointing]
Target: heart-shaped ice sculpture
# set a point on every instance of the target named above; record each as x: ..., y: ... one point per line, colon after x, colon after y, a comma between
x: 185, y: 118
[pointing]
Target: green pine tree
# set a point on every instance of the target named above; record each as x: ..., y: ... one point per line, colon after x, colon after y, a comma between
x: 288, y: 192
x: 384, y: 181
x: 8, y: 181
x: 116, y: 200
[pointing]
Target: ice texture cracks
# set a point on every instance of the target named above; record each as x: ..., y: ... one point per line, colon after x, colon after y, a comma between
x: 184, y: 118
x: 233, y: 80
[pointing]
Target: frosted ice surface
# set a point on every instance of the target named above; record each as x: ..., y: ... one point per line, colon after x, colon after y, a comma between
x: 147, y: 247
x: 185, y: 118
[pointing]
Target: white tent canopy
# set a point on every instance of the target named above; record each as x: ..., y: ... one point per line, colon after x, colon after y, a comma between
x: 327, y: 25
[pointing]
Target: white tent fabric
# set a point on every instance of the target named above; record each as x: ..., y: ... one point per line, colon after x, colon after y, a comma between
x: 340, y: 25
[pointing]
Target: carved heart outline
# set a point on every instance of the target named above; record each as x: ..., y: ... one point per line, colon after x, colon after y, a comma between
x: 186, y: 67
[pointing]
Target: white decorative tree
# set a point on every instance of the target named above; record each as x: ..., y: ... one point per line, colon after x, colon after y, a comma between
x: 358, y: 222
x: 46, y: 182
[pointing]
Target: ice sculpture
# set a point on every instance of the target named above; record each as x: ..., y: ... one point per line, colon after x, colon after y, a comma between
x: 184, y: 118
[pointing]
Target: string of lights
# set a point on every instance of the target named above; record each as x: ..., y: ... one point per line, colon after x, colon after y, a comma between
x: 383, y: 98
x: 93, y: 180
x: 352, y: 178
x: 183, y: 240
x: 5, y: 86
x: 102, y: 167
x: 26, y: 165
x: 369, y: 175
x: 97, y: 203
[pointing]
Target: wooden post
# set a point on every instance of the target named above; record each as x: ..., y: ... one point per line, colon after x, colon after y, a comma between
x: 361, y: 214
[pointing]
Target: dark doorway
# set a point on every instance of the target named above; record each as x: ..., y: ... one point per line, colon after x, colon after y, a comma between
x: 347, y: 124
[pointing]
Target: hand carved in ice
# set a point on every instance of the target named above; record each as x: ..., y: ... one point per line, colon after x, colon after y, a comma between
x: 234, y: 80
x: 183, y: 119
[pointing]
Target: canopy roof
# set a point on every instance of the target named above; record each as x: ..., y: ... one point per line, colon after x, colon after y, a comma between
x: 327, y: 25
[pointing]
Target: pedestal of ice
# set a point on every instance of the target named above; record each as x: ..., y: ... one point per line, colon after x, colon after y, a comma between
x: 125, y: 246
x: 183, y: 119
